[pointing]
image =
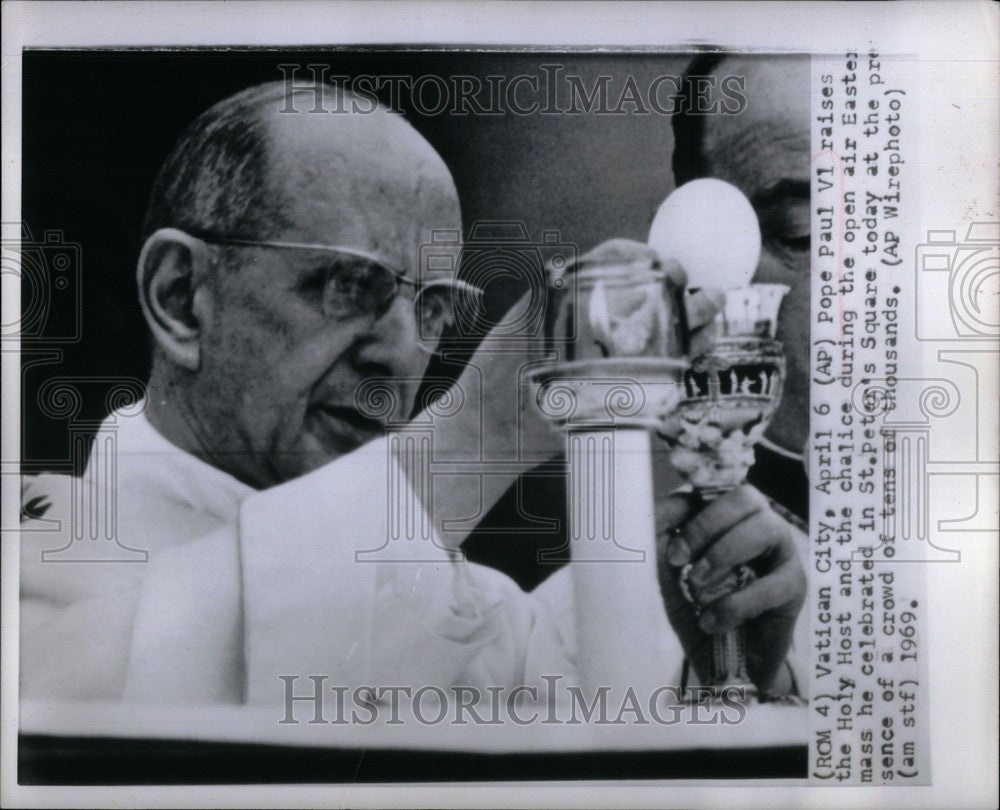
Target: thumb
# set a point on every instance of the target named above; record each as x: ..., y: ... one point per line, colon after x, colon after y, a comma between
x: 703, y: 305
x: 673, y: 511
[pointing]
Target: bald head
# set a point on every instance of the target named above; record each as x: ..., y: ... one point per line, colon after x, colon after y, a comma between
x: 243, y: 169
x: 360, y: 179
x: 254, y: 369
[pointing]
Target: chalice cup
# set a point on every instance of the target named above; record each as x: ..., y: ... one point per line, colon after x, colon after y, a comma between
x: 729, y: 396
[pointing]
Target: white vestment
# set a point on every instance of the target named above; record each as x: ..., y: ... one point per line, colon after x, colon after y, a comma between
x: 156, y: 577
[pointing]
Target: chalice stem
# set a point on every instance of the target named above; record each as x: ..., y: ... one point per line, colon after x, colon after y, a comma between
x: 729, y: 666
x: 729, y: 660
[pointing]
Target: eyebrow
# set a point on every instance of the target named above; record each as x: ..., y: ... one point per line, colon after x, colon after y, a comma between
x: 781, y: 191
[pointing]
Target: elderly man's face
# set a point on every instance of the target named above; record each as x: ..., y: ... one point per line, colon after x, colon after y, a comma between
x: 765, y: 153
x: 279, y: 378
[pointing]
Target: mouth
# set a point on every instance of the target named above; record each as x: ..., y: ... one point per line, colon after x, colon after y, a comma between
x: 345, y: 428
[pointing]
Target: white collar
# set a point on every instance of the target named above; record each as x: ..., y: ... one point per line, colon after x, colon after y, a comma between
x: 145, y: 459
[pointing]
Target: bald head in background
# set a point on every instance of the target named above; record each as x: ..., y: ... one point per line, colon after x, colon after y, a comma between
x: 765, y: 152
x: 248, y: 372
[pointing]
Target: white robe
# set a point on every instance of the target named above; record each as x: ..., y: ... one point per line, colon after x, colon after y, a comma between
x: 227, y: 588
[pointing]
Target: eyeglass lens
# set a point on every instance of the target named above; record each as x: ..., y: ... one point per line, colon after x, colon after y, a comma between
x: 358, y: 287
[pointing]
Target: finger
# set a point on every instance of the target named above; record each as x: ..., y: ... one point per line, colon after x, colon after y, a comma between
x: 671, y: 512
x: 764, y: 541
x: 674, y: 273
x: 763, y: 534
x: 720, y: 516
x: 619, y: 251
x: 702, y: 306
x: 783, y: 588
x: 702, y: 340
x: 716, y: 585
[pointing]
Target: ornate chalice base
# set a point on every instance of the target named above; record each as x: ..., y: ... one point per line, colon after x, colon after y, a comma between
x: 729, y: 398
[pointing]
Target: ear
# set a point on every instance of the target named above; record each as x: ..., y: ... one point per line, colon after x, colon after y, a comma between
x: 172, y: 269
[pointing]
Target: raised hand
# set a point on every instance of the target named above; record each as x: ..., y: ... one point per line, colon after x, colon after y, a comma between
x: 738, y: 528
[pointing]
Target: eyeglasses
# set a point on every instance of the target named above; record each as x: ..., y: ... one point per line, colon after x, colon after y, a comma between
x: 357, y: 283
